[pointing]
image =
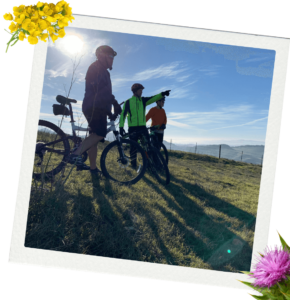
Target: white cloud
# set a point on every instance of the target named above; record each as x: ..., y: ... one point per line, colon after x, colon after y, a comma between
x: 170, y: 70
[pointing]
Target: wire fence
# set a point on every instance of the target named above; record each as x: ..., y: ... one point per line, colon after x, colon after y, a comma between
x: 248, y: 153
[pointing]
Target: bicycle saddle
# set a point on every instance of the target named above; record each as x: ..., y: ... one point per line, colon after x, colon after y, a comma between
x: 64, y: 100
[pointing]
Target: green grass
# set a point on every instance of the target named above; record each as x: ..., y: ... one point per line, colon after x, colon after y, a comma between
x: 208, y: 208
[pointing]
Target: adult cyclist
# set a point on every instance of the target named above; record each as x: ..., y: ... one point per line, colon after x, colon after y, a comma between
x: 97, y: 105
x: 134, y: 108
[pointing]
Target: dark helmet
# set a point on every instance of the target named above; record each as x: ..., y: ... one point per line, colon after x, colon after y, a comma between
x: 162, y: 99
x: 106, y: 50
x: 137, y: 86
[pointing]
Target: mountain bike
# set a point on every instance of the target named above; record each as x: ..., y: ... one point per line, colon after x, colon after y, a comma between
x: 157, y: 165
x: 155, y: 142
x: 53, y: 148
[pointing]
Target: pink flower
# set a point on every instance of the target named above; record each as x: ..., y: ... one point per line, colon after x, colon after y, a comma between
x: 272, y: 267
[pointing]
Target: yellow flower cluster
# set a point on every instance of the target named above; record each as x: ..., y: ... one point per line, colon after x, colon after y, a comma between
x: 39, y: 22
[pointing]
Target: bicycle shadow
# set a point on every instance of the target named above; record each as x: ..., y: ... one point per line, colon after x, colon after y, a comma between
x: 217, y: 248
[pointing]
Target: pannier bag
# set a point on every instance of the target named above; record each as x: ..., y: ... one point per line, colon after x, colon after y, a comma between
x: 60, y: 110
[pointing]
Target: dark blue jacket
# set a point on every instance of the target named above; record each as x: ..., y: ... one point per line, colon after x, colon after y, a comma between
x: 98, y: 93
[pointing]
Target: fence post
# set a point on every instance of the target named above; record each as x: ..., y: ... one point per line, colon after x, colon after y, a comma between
x: 242, y: 156
x: 195, y: 148
x: 170, y: 144
x: 262, y: 160
x: 220, y: 151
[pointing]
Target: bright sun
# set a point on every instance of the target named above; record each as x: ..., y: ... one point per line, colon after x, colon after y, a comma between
x: 72, y: 44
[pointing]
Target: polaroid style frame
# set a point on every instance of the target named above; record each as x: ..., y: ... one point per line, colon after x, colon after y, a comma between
x: 21, y: 254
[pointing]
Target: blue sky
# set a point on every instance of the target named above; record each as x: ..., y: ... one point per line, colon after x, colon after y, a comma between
x: 219, y: 93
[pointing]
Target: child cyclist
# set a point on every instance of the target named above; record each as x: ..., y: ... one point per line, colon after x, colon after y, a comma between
x: 134, y: 108
x: 158, y: 116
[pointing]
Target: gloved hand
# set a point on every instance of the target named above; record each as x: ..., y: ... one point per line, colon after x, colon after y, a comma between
x: 117, y: 108
x: 166, y: 93
x: 163, y: 126
x: 122, y: 131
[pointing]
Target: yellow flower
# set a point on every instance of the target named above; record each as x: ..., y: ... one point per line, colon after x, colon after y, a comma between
x: 57, y: 8
x: 44, y: 37
x: 22, y: 36
x: 47, y: 11
x: 41, y: 13
x: 51, y: 19
x: 30, y: 27
x: 35, y: 33
x: 8, y: 17
x: 39, y: 4
x: 61, y: 3
x: 20, y: 19
x: 53, y: 37
x: 12, y: 27
x: 25, y: 23
x: 61, y: 33
x: 42, y: 24
x: 50, y: 29
x: 62, y: 22
x: 51, y: 6
x: 18, y: 26
x: 18, y: 10
x: 21, y: 7
x: 57, y: 16
x: 32, y: 40
x: 68, y: 10
x: 35, y: 16
x: 15, y: 11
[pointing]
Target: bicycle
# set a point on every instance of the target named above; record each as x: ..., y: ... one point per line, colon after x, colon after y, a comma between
x: 156, y: 163
x: 53, y: 148
x: 155, y: 142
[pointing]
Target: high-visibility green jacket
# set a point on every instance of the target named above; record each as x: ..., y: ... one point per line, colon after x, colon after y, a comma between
x: 135, y: 109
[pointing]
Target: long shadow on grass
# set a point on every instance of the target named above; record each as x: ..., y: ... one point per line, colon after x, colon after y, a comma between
x: 211, y: 246
x: 97, y: 229
x: 46, y: 222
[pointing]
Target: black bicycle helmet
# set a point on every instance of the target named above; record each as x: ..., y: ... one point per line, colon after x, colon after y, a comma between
x: 163, y: 98
x: 106, y: 50
x: 137, y: 86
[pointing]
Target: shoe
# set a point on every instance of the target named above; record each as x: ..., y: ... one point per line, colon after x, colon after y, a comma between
x: 77, y: 160
x: 96, y: 171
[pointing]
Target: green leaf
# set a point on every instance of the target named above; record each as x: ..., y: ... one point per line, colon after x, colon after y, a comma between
x: 282, y: 287
x: 245, y: 272
x: 260, y: 297
x: 287, y: 296
x: 283, y: 242
x: 256, y: 288
x: 15, y: 41
x: 25, y: 31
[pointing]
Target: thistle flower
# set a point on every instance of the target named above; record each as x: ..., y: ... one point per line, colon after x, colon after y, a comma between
x: 273, y: 267
x: 272, y: 274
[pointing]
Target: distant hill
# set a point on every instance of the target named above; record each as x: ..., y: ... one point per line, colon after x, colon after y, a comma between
x: 248, y: 153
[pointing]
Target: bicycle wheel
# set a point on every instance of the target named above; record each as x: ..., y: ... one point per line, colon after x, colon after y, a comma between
x: 158, y: 166
x: 161, y: 147
x: 52, y: 150
x: 128, y: 169
x: 164, y: 152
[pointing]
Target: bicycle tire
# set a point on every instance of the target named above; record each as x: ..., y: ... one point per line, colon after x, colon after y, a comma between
x: 55, y: 160
x: 160, y: 146
x: 154, y: 154
x: 165, y: 152
x: 110, y: 166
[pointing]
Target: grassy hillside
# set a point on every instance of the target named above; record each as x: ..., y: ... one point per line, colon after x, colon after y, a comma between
x: 205, y: 218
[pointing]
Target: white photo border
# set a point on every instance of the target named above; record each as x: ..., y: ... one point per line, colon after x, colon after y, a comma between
x: 21, y: 254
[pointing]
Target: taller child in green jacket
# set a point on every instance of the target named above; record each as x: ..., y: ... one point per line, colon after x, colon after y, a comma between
x: 135, y: 109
